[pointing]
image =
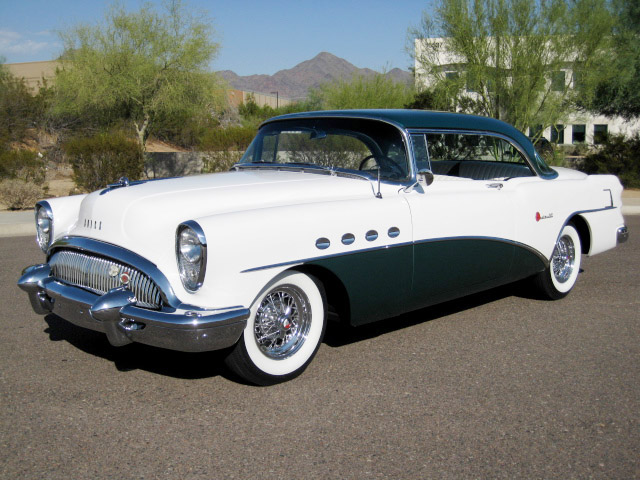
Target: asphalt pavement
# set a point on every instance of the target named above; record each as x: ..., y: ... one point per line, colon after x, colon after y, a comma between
x: 497, y: 385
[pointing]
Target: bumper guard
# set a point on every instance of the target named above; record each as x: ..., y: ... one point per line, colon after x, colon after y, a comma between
x: 187, y: 329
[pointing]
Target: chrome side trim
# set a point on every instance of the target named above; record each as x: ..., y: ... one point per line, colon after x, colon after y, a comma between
x: 542, y: 258
x: 323, y: 257
x: 580, y: 212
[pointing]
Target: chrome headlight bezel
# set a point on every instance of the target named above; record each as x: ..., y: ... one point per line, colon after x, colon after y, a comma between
x: 44, y: 225
x: 191, y: 255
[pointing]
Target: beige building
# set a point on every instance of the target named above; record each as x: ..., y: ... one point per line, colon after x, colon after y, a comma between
x: 34, y: 73
x: 578, y: 127
x: 274, y: 100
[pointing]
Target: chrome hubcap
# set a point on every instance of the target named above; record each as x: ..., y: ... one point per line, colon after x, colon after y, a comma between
x: 564, y: 259
x: 282, y: 322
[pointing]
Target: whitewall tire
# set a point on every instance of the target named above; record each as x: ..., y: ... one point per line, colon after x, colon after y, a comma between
x: 283, y: 332
x: 561, y: 275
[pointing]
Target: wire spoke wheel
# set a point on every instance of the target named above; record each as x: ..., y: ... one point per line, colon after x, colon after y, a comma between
x: 557, y: 280
x: 283, y: 332
x: 282, y: 321
x: 563, y: 259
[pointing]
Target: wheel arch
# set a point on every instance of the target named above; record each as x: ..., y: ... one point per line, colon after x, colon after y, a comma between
x: 335, y: 292
x: 584, y: 231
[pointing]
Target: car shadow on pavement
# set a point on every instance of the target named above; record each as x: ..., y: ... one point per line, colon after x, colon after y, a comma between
x: 210, y: 364
x: 136, y: 356
x: 339, y: 334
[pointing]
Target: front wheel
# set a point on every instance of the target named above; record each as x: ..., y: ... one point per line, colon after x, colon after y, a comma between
x: 561, y: 275
x: 283, y: 332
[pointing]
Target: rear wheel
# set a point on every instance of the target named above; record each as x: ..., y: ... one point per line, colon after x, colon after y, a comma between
x: 283, y: 332
x: 561, y: 275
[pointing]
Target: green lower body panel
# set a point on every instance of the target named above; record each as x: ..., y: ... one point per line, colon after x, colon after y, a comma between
x: 387, y: 282
x: 378, y: 282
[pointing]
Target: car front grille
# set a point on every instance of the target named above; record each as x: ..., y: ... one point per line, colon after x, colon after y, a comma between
x: 99, y: 275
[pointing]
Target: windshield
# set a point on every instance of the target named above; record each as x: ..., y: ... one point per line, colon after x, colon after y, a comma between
x: 345, y: 145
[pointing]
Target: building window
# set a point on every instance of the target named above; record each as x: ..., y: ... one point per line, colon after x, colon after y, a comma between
x: 578, y: 80
x: 599, y: 134
x: 535, y: 132
x: 557, y: 134
x: 558, y: 81
x: 579, y: 134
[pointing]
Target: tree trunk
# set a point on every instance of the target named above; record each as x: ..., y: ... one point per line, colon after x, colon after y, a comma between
x: 143, y: 133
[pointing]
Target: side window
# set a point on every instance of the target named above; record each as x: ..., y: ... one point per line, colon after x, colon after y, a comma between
x: 420, y: 151
x: 475, y: 156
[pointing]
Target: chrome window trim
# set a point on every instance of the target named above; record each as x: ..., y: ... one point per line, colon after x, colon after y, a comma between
x: 531, y: 164
x: 404, y: 132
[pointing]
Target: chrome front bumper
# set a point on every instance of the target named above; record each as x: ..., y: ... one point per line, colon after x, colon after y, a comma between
x: 188, y: 329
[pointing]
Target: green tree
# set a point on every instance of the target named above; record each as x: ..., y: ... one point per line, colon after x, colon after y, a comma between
x: 515, y: 60
x: 17, y: 107
x: 374, y: 91
x: 140, y: 66
x: 619, y: 92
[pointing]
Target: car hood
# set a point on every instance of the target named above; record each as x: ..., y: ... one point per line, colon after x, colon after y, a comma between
x: 141, y: 216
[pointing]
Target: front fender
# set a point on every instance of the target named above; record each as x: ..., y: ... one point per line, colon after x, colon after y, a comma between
x: 246, y: 250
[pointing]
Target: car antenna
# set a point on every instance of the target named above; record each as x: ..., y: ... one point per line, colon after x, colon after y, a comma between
x: 378, y: 195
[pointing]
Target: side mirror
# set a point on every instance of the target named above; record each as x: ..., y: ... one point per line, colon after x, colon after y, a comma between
x: 425, y: 176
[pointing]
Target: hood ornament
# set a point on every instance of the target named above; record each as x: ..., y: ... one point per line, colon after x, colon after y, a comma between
x: 122, y: 182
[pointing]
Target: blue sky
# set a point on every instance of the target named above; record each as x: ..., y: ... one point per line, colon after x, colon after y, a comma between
x: 255, y: 36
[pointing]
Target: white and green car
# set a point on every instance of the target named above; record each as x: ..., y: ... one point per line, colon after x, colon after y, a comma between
x: 361, y: 215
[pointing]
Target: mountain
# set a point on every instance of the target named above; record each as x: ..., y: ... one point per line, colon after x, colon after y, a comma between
x: 295, y: 82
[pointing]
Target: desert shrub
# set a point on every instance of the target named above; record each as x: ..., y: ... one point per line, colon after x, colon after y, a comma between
x: 103, y: 159
x: 215, y: 162
x: 23, y: 165
x: 619, y: 156
x: 236, y: 138
x: 17, y: 107
x: 17, y: 194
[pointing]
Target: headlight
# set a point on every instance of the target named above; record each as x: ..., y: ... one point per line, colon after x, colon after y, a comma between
x: 44, y: 225
x: 191, y: 254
